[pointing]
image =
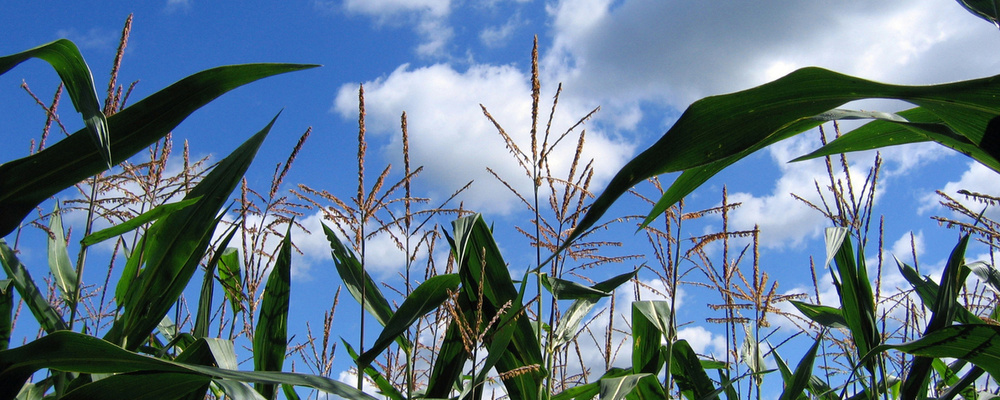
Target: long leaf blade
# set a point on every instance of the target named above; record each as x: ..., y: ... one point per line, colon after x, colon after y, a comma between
x: 425, y: 298
x: 65, y: 57
x: 728, y: 127
x: 270, y: 339
x: 176, y: 244
x: 59, y: 262
x: 44, y: 313
x: 28, y: 181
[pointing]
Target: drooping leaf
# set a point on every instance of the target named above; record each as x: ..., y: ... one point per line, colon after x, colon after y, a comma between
x: 988, y: 10
x: 130, y: 225
x: 176, y: 244
x: 585, y: 299
x: 75, y: 352
x: 690, y: 375
x: 59, y: 262
x: 66, y: 59
x: 425, y: 298
x: 927, y: 290
x: 26, y: 182
x: 588, y: 391
x: 270, y: 339
x: 824, y: 315
x: 563, y: 289
x: 717, y: 131
x: 355, y: 277
x: 47, y: 317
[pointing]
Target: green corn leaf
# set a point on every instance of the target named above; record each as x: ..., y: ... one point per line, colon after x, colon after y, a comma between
x: 425, y: 298
x: 942, y: 314
x: 385, y: 387
x: 450, y: 360
x: 988, y: 10
x: 47, y: 317
x: 238, y: 390
x: 569, y: 323
x: 824, y: 315
x: 563, y: 289
x: 796, y: 386
x: 978, y: 344
x: 270, y: 339
x: 717, y: 131
x: 26, y: 182
x: 175, y: 245
x: 6, y: 312
x: 690, y: 375
x: 134, y: 223
x: 927, y: 290
x: 204, y: 312
x: 59, y: 262
x: 588, y: 391
x: 354, y: 276
x: 481, y: 264
x: 144, y: 386
x: 65, y: 57
x: 75, y: 352
x: 646, y: 339
x: 877, y: 134
x: 619, y: 387
x: 130, y: 272
x: 857, y: 302
x: 31, y: 391
x: 229, y: 275
x: 987, y: 273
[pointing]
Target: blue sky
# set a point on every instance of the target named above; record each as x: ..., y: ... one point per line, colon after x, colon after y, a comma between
x: 641, y: 61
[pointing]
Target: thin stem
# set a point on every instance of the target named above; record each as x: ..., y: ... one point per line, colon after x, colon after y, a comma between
x: 82, y: 255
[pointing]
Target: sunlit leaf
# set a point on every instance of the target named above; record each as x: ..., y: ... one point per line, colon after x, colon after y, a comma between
x: 59, y: 262
x: 175, y: 246
x: 799, y: 381
x: 130, y: 225
x: 65, y: 57
x: 427, y: 297
x: 26, y: 182
x: 824, y: 315
x: 37, y: 303
x: 717, y: 131
x: 270, y: 338
x: 229, y: 275
x: 75, y: 352
x: 688, y: 372
x: 203, y: 314
x: 619, y: 387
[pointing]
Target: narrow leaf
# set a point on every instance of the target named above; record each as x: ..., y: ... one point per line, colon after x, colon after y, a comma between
x: 75, y: 352
x: 203, y: 314
x: 65, y: 57
x: 425, y: 298
x: 350, y: 271
x: 795, y: 387
x: 619, y: 387
x: 59, y: 262
x: 143, y: 386
x: 690, y: 375
x: 175, y: 245
x: 824, y: 315
x: 26, y: 182
x: 270, y: 339
x: 134, y: 223
x: 47, y: 317
x: 229, y: 275
x: 717, y: 131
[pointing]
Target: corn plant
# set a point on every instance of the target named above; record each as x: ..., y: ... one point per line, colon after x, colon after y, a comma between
x: 715, y: 132
x: 142, y: 347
